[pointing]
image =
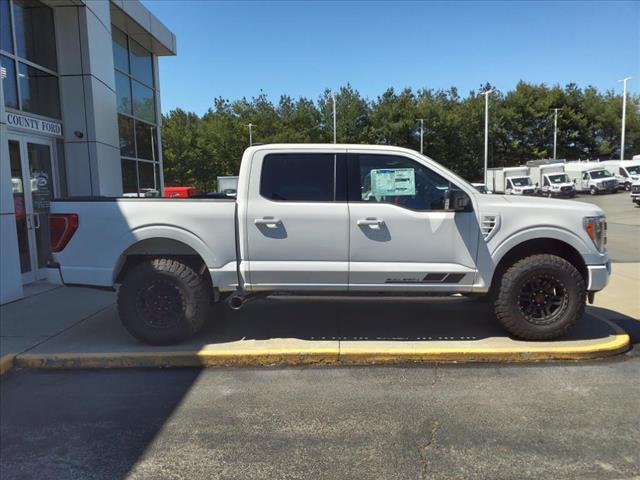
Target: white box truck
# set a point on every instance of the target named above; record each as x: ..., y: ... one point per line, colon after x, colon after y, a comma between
x: 625, y: 171
x: 551, y: 180
x: 510, y: 181
x: 591, y: 177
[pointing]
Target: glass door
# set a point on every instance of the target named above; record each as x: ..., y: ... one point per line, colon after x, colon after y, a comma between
x: 33, y: 183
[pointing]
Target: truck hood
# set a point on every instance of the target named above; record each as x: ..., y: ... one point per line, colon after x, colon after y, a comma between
x: 539, y: 204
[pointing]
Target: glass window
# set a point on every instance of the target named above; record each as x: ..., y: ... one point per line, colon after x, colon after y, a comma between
x: 141, y: 63
x: 143, y: 102
x: 125, y: 130
x: 120, y: 53
x: 123, y: 93
x: 35, y: 38
x: 400, y: 181
x: 38, y: 91
x: 8, y: 75
x: 129, y: 178
x: 305, y: 177
x: 6, y: 36
x: 146, y: 138
x: 147, y: 179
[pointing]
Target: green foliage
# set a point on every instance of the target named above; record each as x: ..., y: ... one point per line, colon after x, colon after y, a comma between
x: 198, y: 149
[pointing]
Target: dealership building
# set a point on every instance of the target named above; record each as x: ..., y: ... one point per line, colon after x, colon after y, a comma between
x: 79, y: 116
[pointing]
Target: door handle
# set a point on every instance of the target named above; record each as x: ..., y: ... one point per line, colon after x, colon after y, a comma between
x: 36, y: 217
x: 268, y: 221
x: 370, y: 222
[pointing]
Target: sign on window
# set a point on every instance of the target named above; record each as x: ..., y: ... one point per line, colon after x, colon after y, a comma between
x: 388, y: 182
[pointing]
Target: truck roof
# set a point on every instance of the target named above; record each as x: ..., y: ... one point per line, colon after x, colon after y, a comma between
x: 326, y: 146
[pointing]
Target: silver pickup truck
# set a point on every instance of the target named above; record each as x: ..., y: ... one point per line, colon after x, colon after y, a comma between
x: 351, y: 219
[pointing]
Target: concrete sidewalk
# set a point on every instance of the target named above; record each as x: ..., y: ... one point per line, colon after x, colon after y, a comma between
x: 77, y: 327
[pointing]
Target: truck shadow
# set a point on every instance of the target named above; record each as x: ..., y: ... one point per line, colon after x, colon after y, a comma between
x: 336, y: 318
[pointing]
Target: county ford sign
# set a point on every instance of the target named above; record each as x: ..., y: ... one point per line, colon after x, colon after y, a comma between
x: 33, y: 124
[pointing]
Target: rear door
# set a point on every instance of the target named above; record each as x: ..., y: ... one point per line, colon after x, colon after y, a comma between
x: 297, y: 220
x: 401, y: 236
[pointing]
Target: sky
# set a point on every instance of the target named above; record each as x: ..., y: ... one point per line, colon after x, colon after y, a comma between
x: 240, y: 49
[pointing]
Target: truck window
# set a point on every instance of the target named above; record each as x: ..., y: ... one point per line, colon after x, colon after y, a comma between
x: 298, y: 177
x: 396, y: 180
x: 623, y: 172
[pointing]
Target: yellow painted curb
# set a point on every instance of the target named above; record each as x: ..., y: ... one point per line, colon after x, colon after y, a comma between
x: 6, y: 362
x: 202, y: 358
x: 349, y: 353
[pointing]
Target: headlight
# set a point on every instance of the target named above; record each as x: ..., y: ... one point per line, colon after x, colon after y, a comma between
x: 596, y: 228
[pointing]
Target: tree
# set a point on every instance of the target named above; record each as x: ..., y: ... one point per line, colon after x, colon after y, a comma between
x: 198, y: 149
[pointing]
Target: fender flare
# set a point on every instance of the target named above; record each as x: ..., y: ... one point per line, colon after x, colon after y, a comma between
x: 150, y: 232
x: 539, y: 233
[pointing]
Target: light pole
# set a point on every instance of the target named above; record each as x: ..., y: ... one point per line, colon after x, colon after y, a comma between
x: 250, y: 125
x: 486, y: 132
x: 333, y: 99
x: 624, y: 113
x: 421, y: 120
x: 555, y: 131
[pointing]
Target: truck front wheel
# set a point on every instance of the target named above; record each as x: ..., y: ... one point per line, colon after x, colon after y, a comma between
x: 540, y: 297
x: 163, y: 301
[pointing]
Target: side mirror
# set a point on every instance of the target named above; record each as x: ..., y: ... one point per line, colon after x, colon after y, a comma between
x: 537, y: 184
x: 458, y: 201
x: 574, y: 180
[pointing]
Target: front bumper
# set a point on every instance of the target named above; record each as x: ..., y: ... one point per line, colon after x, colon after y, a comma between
x: 598, y: 276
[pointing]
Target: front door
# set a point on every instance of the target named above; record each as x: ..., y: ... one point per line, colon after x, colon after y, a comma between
x: 401, y: 235
x: 33, y: 184
x: 297, y: 221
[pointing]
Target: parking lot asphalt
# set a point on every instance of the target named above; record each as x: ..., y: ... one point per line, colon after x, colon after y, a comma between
x: 623, y: 224
x: 439, y: 421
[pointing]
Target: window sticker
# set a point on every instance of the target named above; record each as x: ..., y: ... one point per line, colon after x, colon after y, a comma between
x: 393, y: 182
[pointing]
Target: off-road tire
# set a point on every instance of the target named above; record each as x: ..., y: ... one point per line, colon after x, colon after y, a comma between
x: 508, y: 307
x: 163, y: 301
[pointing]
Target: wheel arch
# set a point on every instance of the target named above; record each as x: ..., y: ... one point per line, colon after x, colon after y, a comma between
x: 534, y: 246
x: 154, y: 247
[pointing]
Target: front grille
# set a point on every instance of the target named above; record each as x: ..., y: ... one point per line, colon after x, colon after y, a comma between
x: 635, y: 188
x: 609, y: 184
x: 566, y: 189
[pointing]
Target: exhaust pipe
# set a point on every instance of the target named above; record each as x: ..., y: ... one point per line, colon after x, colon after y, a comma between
x: 240, y: 299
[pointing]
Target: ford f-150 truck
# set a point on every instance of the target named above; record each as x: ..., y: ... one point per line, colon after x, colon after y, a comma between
x: 335, y: 219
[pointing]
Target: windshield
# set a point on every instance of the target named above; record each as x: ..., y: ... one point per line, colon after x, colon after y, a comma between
x: 521, y: 182
x: 559, y: 178
x: 600, y: 174
x: 635, y: 170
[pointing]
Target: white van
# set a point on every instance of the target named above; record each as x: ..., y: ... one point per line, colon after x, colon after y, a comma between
x: 625, y: 171
x: 591, y: 177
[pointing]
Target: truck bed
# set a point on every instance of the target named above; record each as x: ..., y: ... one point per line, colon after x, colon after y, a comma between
x: 107, y: 227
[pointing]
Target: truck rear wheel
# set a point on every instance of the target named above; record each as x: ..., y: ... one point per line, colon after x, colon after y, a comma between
x: 541, y: 297
x: 163, y: 301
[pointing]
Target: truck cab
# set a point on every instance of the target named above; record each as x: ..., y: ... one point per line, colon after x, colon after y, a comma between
x: 591, y: 177
x: 520, y: 186
x: 625, y: 171
x: 557, y: 184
